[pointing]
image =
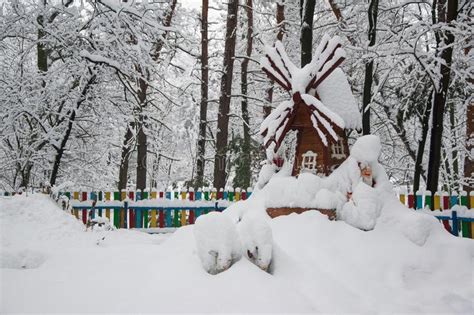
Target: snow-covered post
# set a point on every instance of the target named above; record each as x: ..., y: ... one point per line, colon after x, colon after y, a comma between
x: 176, y: 194
x: 123, y: 194
x: 436, y: 201
x: 411, y: 200
x: 445, y: 197
x: 168, y: 194
x: 464, y: 201
x: 117, y: 197
x: 465, y: 226
x: 213, y: 193
x: 192, y: 215
x: 401, y: 195
x: 225, y: 194
x: 244, y: 195
x: 153, y: 194
x: 206, y: 193
x: 231, y: 193
x: 199, y: 194
x: 75, y: 196
x: 183, y: 211
x: 220, y: 194
x: 454, y: 199
x: 161, y: 194
x: 419, y: 199
x: 428, y: 199
x: 84, y: 211
x: 138, y: 212
x: 176, y: 218
x: 107, y: 198
x: 237, y: 194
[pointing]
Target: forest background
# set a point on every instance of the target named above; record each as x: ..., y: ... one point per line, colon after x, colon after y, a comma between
x: 110, y: 94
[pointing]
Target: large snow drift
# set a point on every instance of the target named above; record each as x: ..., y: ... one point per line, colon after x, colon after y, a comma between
x: 407, y: 264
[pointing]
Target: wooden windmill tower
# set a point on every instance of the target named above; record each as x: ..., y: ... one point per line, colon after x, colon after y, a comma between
x: 320, y: 109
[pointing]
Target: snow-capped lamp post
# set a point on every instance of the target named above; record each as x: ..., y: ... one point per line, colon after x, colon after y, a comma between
x: 321, y: 108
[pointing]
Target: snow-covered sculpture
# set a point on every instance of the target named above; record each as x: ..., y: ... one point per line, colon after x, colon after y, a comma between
x: 363, y: 180
x: 322, y: 106
x: 257, y: 240
x: 217, y: 242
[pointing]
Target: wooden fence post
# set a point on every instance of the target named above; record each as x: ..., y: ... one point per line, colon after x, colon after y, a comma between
x: 454, y: 199
x: 153, y: 195
x: 107, y: 211
x: 184, y: 193
x: 428, y: 200
x: 191, y: 211
x: 237, y: 194
x: 138, y: 212
x: 436, y: 201
x: 419, y: 200
x: 84, y: 211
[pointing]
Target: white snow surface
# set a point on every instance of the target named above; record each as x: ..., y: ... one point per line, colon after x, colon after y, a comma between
x: 407, y: 264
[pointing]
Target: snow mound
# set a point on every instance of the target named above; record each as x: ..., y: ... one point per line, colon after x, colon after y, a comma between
x: 366, y: 149
x: 257, y: 240
x: 217, y: 242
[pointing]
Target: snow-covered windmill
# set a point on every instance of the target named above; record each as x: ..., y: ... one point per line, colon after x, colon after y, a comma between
x: 321, y: 108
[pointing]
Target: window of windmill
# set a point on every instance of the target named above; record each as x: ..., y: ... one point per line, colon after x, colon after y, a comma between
x: 309, y: 161
x: 338, y: 149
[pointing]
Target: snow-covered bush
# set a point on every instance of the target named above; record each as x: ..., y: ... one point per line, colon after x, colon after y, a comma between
x: 257, y: 240
x: 217, y: 242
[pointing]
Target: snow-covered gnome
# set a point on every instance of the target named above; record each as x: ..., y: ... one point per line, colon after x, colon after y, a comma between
x: 365, y: 180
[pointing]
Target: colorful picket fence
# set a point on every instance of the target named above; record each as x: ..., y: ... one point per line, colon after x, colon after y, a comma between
x: 149, y: 210
x: 442, y: 204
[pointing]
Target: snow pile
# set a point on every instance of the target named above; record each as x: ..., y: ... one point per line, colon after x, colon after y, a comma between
x: 217, y: 242
x: 318, y: 266
x: 257, y: 240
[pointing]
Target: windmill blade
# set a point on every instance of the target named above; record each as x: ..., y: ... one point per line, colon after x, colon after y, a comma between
x: 330, y: 56
x: 269, y: 67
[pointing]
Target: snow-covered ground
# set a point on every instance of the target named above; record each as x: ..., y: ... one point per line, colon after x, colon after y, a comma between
x: 50, y: 264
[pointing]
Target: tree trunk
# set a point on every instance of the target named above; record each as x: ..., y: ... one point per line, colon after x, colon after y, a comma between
x: 125, y: 158
x: 421, y: 143
x: 440, y: 95
x: 244, y: 104
x: 142, y: 147
x: 201, y: 151
x: 280, y: 18
x: 72, y: 117
x: 224, y: 100
x: 469, y: 159
x: 369, y: 68
x: 306, y: 38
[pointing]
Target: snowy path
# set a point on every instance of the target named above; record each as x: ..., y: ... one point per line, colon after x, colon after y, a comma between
x: 320, y: 266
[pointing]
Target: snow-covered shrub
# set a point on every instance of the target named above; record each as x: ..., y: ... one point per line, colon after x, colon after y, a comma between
x: 217, y: 242
x: 257, y: 240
